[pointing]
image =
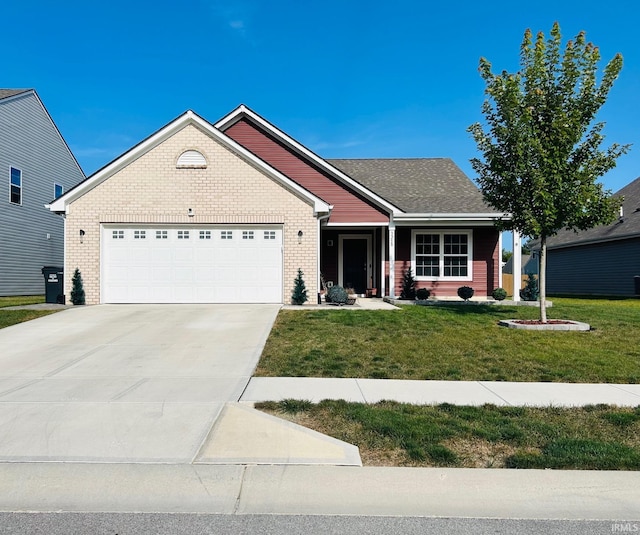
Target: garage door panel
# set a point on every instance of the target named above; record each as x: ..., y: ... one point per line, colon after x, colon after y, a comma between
x: 192, y: 265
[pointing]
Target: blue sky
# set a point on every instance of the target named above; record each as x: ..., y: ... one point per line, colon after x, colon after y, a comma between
x: 345, y: 78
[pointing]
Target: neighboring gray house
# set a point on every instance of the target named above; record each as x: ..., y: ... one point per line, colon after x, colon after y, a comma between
x: 529, y: 265
x: 600, y: 261
x: 36, y: 166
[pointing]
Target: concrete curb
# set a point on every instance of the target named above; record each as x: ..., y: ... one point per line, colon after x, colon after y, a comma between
x: 426, y: 492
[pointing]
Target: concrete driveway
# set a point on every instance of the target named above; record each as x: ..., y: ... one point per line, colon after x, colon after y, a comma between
x: 124, y: 383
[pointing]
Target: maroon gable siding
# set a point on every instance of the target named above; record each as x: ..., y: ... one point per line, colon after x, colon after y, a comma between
x: 347, y: 206
x: 485, y: 264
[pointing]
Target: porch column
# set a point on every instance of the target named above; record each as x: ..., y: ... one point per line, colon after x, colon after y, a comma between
x: 517, y: 265
x: 392, y: 259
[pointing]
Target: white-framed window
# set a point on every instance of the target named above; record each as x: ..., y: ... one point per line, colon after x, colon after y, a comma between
x: 247, y: 234
x: 269, y: 234
x: 139, y: 234
x: 226, y: 234
x: 58, y: 190
x: 442, y: 254
x: 15, y: 186
x: 205, y: 234
x: 117, y: 234
x: 183, y: 234
x: 162, y: 234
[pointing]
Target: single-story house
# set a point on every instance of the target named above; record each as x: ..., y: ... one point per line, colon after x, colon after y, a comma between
x: 228, y: 213
x: 37, y: 166
x: 600, y: 261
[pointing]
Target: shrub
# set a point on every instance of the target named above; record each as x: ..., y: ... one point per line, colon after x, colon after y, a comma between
x: 530, y: 291
x: 77, y: 289
x: 337, y: 294
x: 465, y: 292
x: 408, y: 285
x: 499, y: 294
x: 299, y: 295
x: 422, y: 293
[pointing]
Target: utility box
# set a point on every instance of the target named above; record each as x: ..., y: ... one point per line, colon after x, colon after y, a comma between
x: 53, y: 284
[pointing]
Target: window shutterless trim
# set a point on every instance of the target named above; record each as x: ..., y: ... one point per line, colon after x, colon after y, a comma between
x: 441, y: 254
x: 18, y: 186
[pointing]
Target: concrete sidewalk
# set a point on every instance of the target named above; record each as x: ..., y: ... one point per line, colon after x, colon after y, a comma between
x: 435, y: 392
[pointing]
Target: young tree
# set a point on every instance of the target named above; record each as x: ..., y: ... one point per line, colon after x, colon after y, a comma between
x: 541, y: 148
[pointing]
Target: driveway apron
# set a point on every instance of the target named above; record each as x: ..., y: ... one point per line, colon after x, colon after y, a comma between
x: 124, y: 383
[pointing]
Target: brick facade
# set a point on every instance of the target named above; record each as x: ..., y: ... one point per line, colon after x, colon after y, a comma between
x: 152, y: 190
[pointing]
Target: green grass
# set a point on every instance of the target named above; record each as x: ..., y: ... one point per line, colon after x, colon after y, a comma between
x: 390, y: 433
x: 11, y: 317
x: 458, y: 343
x: 17, y: 300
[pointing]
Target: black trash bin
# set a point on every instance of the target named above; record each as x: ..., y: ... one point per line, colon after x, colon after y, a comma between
x: 53, y: 284
x: 636, y: 284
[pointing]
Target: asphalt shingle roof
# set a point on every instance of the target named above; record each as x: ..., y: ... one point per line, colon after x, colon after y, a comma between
x: 5, y: 93
x: 417, y: 185
x: 628, y: 226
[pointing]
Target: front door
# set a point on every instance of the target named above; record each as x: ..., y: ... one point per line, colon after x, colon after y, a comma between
x: 354, y: 264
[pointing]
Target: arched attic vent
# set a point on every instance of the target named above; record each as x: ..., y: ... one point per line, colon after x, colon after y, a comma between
x: 191, y: 159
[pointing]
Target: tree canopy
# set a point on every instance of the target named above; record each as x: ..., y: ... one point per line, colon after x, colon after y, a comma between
x: 541, y: 146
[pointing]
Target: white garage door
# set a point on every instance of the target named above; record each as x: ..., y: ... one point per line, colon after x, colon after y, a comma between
x: 191, y: 264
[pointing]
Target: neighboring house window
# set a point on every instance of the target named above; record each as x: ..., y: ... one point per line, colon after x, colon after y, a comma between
x: 58, y: 190
x: 442, y: 255
x: 16, y: 186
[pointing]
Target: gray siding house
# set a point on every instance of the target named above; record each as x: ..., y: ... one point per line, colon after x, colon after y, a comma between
x: 600, y: 261
x: 36, y: 166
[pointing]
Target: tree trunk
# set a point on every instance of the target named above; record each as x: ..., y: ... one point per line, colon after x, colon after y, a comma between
x: 542, y: 279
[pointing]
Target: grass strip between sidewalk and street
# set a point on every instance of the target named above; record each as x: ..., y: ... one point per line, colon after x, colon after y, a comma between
x: 394, y: 434
x: 458, y: 343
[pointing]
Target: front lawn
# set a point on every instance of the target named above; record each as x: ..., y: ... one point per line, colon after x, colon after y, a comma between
x: 395, y: 434
x: 457, y: 343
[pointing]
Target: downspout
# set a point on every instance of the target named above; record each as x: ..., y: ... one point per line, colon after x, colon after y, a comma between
x: 319, y: 242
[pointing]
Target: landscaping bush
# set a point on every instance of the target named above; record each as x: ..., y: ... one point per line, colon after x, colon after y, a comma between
x: 465, y: 292
x: 299, y: 295
x: 499, y: 294
x: 422, y: 293
x: 408, y: 285
x: 337, y: 294
x: 530, y: 291
x: 77, y: 289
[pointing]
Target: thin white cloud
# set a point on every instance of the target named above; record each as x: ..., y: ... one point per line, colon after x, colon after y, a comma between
x: 236, y: 15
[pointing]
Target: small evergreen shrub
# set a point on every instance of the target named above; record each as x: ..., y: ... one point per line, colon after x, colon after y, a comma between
x: 408, y: 285
x: 422, y: 293
x: 530, y: 291
x: 77, y: 289
x: 465, y: 292
x: 299, y: 295
x: 337, y: 294
x: 499, y: 294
